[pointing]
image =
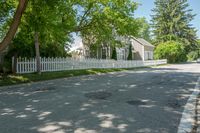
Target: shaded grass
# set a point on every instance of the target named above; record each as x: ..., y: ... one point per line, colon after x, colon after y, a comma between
x: 11, y: 79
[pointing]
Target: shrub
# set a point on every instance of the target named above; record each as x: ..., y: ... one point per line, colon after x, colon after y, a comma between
x: 7, y: 66
x: 192, y: 56
x: 114, y: 54
x: 130, y: 54
x: 172, y: 51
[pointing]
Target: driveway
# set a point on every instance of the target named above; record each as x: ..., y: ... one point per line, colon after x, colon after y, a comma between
x: 149, y: 100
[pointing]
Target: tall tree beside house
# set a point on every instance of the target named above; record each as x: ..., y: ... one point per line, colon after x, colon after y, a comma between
x: 114, y: 54
x: 5, y: 14
x: 171, y: 21
x: 49, y: 23
x: 194, y: 55
x: 10, y: 17
x: 87, y: 17
x: 130, y: 53
x: 145, y: 31
x: 43, y: 24
x: 14, y: 25
x: 105, y: 19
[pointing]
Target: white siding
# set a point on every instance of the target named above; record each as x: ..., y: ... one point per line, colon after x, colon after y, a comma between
x: 148, y: 55
x: 121, y: 53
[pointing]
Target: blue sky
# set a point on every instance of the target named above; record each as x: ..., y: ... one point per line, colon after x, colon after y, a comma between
x: 144, y: 10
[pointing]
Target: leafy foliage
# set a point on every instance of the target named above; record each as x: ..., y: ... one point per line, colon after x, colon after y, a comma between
x: 193, y: 55
x: 45, y: 17
x: 7, y: 8
x: 171, y: 21
x: 144, y: 31
x: 103, y: 20
x: 172, y: 51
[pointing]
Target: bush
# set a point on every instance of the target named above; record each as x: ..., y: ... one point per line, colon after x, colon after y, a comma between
x: 114, y: 54
x: 172, y: 51
x: 7, y: 66
x: 192, y: 56
x: 130, y: 54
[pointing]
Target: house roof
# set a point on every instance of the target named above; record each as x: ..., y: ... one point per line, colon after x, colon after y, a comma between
x: 143, y: 42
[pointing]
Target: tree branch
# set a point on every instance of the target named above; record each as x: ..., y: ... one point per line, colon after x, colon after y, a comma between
x: 14, y: 26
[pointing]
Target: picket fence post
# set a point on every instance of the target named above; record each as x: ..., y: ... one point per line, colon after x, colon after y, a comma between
x: 24, y: 65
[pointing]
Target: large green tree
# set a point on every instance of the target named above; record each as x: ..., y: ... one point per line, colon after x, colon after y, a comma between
x: 15, y: 22
x: 144, y: 31
x: 48, y: 24
x: 43, y: 24
x: 171, y: 20
x: 101, y: 21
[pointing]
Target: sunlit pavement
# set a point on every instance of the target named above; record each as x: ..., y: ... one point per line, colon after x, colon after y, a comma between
x: 150, y: 100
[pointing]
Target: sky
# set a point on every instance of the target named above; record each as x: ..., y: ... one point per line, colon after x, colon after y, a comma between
x: 144, y: 10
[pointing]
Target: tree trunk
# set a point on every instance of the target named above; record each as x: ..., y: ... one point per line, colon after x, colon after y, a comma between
x: 14, y: 26
x: 37, y: 51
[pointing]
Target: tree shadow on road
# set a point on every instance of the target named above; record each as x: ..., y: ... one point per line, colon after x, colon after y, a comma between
x: 138, y: 102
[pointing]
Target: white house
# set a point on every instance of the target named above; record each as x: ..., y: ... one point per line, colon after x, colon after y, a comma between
x: 141, y: 50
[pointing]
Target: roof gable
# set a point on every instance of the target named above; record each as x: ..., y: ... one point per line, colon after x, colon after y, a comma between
x: 143, y: 42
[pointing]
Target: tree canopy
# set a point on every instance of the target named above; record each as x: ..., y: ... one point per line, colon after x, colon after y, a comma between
x: 56, y: 20
x: 102, y: 20
x: 172, y: 21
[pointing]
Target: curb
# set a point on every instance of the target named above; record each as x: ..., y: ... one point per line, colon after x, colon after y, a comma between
x: 188, y: 121
x: 198, y: 115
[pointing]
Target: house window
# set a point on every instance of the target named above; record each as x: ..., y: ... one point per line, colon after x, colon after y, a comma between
x: 148, y: 55
x: 121, y: 54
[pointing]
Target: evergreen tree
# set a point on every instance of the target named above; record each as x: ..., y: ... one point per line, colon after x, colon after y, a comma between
x: 144, y: 31
x: 171, y: 22
x: 114, y: 54
x: 130, y: 54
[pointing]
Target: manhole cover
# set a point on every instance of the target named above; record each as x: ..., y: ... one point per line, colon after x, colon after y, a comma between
x: 45, y: 89
x: 102, y: 95
x: 173, y: 104
x: 136, y: 102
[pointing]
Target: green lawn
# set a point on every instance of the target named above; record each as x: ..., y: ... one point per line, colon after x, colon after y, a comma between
x: 11, y: 79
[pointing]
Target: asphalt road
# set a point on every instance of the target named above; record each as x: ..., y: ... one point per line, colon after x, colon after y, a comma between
x: 149, y: 100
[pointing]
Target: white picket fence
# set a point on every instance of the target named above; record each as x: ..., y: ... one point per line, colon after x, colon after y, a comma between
x: 25, y: 65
